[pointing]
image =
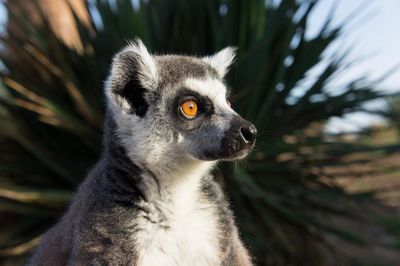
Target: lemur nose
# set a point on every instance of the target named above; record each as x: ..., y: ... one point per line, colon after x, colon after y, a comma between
x: 248, y: 133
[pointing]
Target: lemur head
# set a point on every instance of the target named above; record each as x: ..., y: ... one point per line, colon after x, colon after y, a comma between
x: 174, y: 108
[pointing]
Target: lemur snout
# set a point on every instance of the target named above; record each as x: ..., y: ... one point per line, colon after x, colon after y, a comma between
x: 238, y: 140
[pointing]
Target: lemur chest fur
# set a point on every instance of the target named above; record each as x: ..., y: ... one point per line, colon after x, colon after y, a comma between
x: 181, y: 229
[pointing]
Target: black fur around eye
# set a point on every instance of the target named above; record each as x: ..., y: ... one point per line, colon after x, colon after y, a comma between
x: 204, y: 104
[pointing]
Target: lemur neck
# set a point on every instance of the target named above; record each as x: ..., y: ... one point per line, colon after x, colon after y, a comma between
x: 129, y: 180
x: 122, y: 176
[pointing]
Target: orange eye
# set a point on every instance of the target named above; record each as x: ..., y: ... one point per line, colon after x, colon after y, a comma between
x: 189, y: 109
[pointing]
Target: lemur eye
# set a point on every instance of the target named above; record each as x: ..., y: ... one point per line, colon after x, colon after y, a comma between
x: 189, y: 109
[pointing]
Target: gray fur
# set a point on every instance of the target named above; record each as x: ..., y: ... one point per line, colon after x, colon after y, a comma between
x: 174, y: 68
x: 150, y: 199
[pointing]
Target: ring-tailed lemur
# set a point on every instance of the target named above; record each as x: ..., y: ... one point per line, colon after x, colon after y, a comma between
x: 150, y: 199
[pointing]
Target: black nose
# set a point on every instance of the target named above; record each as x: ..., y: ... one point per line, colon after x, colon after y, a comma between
x: 248, y: 133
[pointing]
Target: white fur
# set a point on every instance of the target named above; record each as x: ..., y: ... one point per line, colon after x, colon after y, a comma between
x: 222, y: 60
x: 180, y: 138
x: 214, y: 89
x: 147, y: 66
x: 191, y: 228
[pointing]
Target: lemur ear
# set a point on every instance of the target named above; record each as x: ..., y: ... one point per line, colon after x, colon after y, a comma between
x: 222, y: 60
x: 133, y: 73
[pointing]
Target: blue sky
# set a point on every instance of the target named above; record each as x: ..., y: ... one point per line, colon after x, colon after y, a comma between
x: 376, y: 34
x: 3, y: 16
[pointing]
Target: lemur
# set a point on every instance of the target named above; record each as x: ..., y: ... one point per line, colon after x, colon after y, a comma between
x: 151, y: 200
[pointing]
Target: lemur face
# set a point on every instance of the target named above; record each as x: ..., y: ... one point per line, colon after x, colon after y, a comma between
x: 172, y: 107
x: 207, y: 127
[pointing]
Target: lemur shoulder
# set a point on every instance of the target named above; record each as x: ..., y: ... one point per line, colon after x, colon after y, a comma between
x: 151, y: 199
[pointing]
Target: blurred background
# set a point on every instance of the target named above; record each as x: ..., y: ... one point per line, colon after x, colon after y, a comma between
x: 318, y: 78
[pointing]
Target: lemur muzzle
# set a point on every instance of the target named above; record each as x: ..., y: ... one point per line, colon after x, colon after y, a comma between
x: 239, y: 139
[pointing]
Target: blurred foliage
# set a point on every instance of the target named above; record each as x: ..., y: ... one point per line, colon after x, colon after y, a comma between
x: 51, y: 111
x: 392, y: 112
x: 392, y: 225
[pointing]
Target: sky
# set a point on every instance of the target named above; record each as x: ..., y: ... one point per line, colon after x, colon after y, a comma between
x: 373, y: 34
x: 3, y: 16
